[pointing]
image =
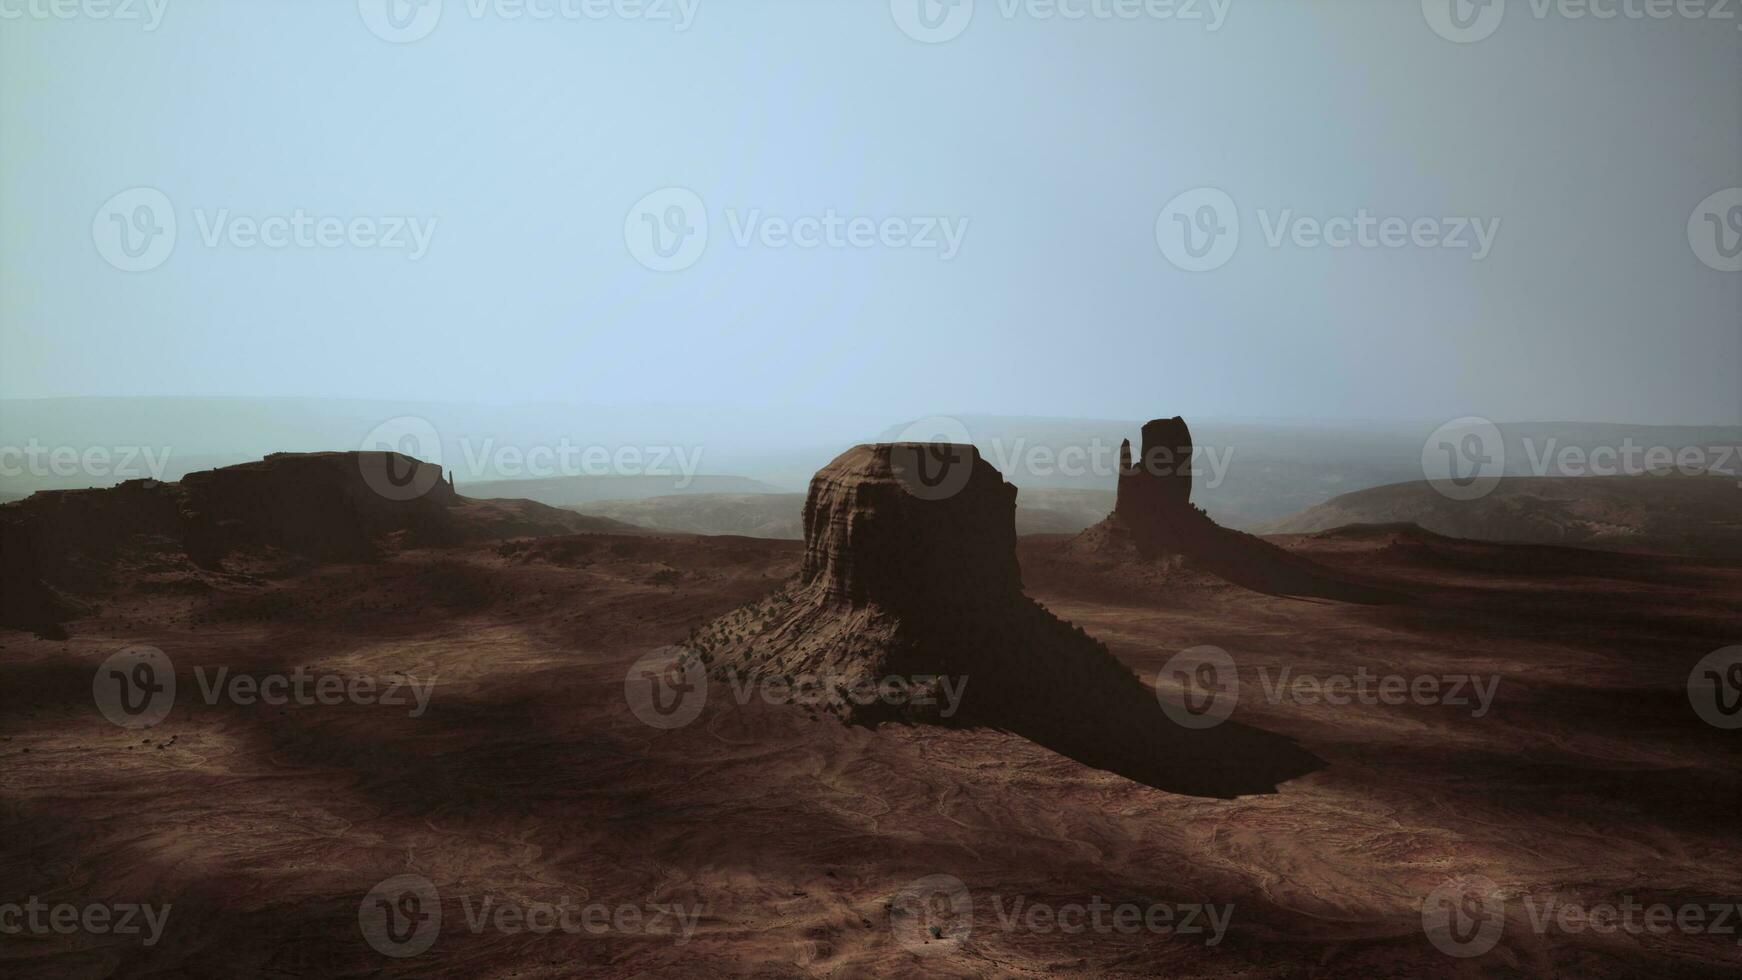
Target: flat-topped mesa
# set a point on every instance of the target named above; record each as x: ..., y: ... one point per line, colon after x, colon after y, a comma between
x: 910, y: 526
x: 329, y: 505
x: 1156, y: 487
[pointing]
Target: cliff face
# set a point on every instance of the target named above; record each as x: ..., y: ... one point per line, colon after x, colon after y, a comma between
x: 875, y: 534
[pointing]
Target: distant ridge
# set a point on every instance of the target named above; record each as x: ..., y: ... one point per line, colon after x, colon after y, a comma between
x: 58, y: 547
x: 1669, y: 513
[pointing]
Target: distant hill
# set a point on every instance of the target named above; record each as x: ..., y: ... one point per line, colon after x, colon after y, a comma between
x: 1052, y: 511
x: 1674, y: 514
x: 569, y: 491
x: 753, y: 515
x: 781, y: 515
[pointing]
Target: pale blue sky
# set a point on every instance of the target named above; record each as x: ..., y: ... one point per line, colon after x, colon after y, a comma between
x: 527, y: 142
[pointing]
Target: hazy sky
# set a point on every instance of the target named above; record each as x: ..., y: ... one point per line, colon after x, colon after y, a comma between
x: 521, y: 148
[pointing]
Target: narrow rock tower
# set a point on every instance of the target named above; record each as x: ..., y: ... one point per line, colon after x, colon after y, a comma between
x: 1155, y: 489
x: 1155, y: 529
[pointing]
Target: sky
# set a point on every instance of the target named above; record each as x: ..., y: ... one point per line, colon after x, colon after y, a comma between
x: 887, y: 208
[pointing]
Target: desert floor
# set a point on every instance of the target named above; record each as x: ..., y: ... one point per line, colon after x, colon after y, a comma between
x: 781, y: 838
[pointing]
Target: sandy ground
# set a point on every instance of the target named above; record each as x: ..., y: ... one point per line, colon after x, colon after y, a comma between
x: 760, y: 839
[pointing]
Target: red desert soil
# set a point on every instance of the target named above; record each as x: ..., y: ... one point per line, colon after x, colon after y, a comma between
x: 528, y: 778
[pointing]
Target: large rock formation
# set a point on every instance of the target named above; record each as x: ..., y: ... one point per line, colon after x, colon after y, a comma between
x: 1154, y: 525
x: 910, y: 576
x: 344, y: 506
x: 327, y: 506
x: 1155, y: 489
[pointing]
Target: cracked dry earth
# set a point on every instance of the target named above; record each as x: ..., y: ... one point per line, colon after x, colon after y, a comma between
x: 769, y: 840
